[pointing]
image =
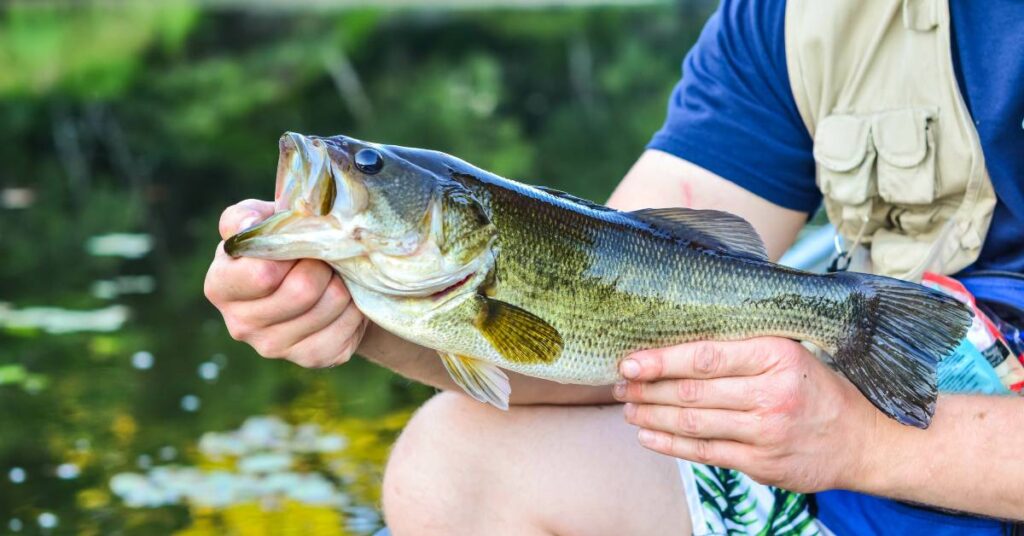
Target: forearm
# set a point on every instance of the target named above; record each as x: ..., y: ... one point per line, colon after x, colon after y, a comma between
x: 422, y: 364
x: 969, y: 459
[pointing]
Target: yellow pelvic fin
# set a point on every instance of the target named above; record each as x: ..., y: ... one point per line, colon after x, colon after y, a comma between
x: 518, y: 335
x: 480, y: 379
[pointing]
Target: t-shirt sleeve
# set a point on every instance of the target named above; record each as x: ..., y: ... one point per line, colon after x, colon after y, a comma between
x: 733, y: 112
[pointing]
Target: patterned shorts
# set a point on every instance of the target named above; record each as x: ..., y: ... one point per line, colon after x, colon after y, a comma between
x: 728, y: 502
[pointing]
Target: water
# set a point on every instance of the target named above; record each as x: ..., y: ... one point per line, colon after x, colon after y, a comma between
x: 135, y: 418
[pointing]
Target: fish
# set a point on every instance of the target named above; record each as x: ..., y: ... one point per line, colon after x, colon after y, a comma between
x: 498, y: 275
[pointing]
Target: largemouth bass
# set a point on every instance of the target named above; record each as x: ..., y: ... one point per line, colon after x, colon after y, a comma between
x: 494, y: 274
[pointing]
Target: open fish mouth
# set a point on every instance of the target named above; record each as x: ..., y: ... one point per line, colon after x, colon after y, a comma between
x: 316, y: 200
x: 302, y: 166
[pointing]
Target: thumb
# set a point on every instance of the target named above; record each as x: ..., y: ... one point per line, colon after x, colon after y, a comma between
x: 243, y: 215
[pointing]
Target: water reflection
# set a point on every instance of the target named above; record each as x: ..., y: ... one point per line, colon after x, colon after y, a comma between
x: 16, y: 475
x: 47, y: 520
x: 17, y: 198
x: 108, y: 289
x: 114, y: 404
x: 68, y: 471
x: 126, y: 245
x: 208, y: 370
x: 58, y: 320
x: 17, y: 375
x: 267, y: 471
x: 190, y: 403
x: 142, y: 360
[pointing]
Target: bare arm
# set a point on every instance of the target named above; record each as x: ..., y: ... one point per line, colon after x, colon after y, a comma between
x: 302, y: 312
x: 661, y: 180
x: 969, y: 459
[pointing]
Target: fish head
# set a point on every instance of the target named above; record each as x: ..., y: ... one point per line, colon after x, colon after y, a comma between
x: 381, y: 220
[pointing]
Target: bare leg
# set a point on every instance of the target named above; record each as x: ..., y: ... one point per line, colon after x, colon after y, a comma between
x: 461, y: 467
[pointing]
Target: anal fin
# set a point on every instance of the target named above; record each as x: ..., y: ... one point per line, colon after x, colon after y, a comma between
x: 481, y: 380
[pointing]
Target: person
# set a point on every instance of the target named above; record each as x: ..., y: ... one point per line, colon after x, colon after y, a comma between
x: 563, y: 460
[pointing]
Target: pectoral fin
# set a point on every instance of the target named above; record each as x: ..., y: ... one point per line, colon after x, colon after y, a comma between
x: 480, y: 379
x: 518, y: 335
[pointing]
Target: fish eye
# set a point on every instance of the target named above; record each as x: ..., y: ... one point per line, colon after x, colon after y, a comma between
x: 369, y: 161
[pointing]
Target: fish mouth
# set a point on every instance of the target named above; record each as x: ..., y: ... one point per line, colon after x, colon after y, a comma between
x: 237, y: 245
x: 288, y: 236
x: 315, y: 202
x: 314, y: 177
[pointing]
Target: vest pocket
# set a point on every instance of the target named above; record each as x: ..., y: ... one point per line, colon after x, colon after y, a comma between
x: 906, y: 156
x: 846, y: 159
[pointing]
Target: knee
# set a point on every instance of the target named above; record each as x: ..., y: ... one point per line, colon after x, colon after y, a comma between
x: 434, y: 474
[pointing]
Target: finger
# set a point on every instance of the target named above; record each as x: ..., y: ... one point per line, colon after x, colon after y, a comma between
x: 301, y: 289
x: 243, y: 279
x: 278, y: 340
x: 705, y: 359
x: 716, y: 452
x: 243, y: 215
x: 739, y: 426
x: 734, y: 393
x: 332, y: 345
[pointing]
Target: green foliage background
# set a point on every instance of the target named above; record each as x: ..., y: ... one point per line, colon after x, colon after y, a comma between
x: 152, y: 117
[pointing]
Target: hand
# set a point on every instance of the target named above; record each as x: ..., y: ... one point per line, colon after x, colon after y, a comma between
x: 764, y: 406
x: 298, y: 310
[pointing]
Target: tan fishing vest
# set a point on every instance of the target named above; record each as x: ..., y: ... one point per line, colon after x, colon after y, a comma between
x: 898, y: 158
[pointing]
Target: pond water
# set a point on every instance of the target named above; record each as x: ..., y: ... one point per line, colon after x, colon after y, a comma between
x: 120, y: 419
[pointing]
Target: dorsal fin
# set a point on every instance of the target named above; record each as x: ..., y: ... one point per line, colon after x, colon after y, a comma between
x: 713, y: 229
x: 569, y: 197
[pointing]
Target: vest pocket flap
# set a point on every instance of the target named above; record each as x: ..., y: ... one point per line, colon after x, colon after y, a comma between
x: 841, y: 142
x: 901, y: 136
x: 846, y: 158
x: 906, y: 156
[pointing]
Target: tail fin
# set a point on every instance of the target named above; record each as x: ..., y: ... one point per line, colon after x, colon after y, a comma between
x: 900, y: 332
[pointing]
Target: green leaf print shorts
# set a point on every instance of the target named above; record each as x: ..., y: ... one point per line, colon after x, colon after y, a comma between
x: 728, y: 502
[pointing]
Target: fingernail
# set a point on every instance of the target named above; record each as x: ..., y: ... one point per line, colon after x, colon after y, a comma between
x: 630, y: 368
x: 248, y: 222
x: 619, y: 390
x: 629, y: 410
x: 646, y: 437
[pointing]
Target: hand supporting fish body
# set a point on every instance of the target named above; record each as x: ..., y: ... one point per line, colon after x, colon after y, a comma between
x: 494, y: 274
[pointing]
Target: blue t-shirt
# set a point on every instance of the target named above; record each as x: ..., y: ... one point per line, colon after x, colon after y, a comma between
x: 733, y: 114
